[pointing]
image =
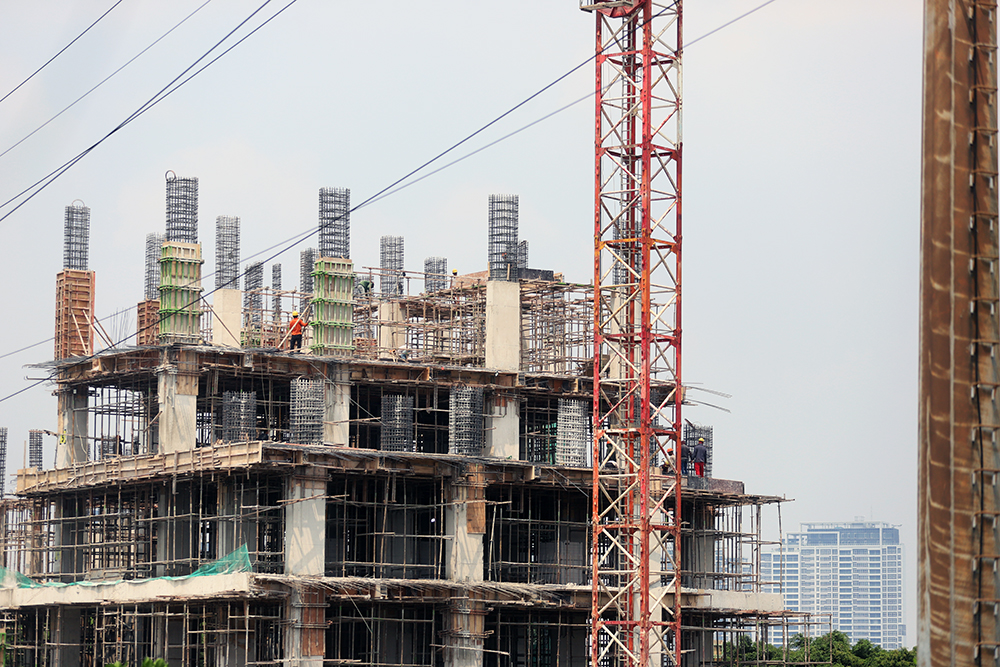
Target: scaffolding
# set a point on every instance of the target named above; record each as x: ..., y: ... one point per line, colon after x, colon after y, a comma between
x: 391, y: 265
x: 35, y: 449
x: 503, y: 245
x: 239, y: 416
x: 465, y: 425
x: 397, y: 424
x: 522, y: 255
x: 227, y: 252
x: 446, y: 326
x: 556, y: 323
x: 385, y: 526
x: 307, y: 411
x: 76, y: 237
x: 182, y: 209
x: 151, y: 276
x: 435, y: 274
x: 335, y: 223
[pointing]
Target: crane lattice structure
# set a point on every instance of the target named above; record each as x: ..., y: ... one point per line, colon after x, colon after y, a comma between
x: 637, y: 329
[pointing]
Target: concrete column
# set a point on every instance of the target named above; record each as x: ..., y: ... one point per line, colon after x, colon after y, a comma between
x: 178, y: 396
x: 465, y: 523
x: 227, y: 308
x: 503, y: 325
x: 73, y: 426
x: 503, y: 428
x: 68, y: 631
x: 391, y: 332
x: 305, y: 542
x: 337, y: 406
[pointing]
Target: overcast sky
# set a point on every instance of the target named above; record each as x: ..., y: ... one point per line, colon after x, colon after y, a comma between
x: 801, y: 191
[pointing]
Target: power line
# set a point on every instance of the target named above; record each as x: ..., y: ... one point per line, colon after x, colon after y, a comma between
x: 163, y: 93
x: 388, y: 190
x: 103, y: 81
x: 60, y: 51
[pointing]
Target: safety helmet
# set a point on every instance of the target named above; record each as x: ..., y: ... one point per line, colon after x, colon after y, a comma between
x: 295, y: 313
x: 701, y: 439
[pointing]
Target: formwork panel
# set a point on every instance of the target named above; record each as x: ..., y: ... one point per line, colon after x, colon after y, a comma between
x: 74, y: 328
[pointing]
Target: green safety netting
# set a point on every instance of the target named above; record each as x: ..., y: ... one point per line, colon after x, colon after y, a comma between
x: 232, y: 563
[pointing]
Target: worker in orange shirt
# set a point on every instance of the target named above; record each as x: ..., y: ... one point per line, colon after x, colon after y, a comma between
x: 295, y: 329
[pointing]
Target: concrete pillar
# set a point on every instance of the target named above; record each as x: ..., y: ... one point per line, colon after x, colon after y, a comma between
x: 305, y: 542
x: 73, y: 425
x: 503, y: 325
x: 178, y: 396
x: 69, y: 636
x: 227, y: 308
x: 503, y: 428
x: 337, y: 406
x: 391, y: 332
x: 465, y: 523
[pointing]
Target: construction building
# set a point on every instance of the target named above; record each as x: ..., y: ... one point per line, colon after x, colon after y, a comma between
x: 485, y: 472
x: 413, y: 489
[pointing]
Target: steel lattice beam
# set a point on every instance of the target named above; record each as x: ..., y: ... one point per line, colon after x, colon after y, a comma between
x: 637, y: 334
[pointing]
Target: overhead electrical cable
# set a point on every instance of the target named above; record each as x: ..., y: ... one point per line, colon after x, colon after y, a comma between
x: 388, y: 190
x: 60, y: 51
x: 105, y: 80
x: 45, y: 181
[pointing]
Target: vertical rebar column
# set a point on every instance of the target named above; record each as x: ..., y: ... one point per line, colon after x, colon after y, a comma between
x: 76, y: 237
x: 182, y: 209
x: 397, y: 424
x: 503, y: 237
x: 276, y: 286
x: 35, y: 449
x: 522, y: 254
x: 227, y: 252
x: 253, y: 283
x: 573, y: 434
x: 465, y: 421
x: 435, y: 274
x: 391, y: 263
x: 691, y: 434
x: 335, y: 223
x: 154, y: 244
x: 3, y: 461
x: 307, y: 411
x: 307, y: 264
x: 239, y: 416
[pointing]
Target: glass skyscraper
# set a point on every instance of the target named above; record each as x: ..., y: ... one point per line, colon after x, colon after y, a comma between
x: 852, y: 571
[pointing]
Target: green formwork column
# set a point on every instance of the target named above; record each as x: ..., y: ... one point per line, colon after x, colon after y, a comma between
x: 332, y: 320
x: 180, y: 292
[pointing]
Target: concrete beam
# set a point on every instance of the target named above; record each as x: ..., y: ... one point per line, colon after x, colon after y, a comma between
x: 127, y: 592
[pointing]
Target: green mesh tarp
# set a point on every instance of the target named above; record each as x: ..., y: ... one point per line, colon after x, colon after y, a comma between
x: 232, y: 563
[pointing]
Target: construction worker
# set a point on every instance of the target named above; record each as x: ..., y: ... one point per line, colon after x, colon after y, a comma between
x: 698, y: 456
x: 295, y: 329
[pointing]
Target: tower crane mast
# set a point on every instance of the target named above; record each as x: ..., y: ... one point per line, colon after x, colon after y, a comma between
x: 636, y: 512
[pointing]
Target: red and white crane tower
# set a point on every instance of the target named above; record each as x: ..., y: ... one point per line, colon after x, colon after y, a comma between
x: 636, y: 617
